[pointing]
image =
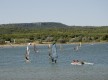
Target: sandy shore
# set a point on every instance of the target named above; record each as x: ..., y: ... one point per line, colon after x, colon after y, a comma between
x: 18, y: 45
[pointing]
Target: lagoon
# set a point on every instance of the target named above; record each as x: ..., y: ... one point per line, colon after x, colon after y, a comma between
x: 14, y: 67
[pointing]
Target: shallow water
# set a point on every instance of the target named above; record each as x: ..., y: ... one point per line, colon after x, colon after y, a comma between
x: 14, y: 67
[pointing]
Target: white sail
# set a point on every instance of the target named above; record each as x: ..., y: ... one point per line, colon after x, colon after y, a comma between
x: 80, y: 44
x: 76, y: 48
x: 28, y: 50
x: 35, y: 49
x: 54, y: 53
x: 27, y: 53
x: 49, y: 47
x: 61, y: 47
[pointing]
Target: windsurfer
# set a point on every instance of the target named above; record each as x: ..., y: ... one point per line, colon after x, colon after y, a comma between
x: 27, y: 53
x: 54, y: 52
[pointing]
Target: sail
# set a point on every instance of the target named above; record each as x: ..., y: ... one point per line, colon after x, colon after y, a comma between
x: 27, y: 53
x: 49, y: 47
x: 54, y: 53
x: 28, y: 50
x: 80, y: 44
x: 35, y: 49
x: 76, y: 48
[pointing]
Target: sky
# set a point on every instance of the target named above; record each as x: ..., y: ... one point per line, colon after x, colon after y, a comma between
x: 69, y: 12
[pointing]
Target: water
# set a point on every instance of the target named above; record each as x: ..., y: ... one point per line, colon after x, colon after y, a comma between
x: 14, y: 67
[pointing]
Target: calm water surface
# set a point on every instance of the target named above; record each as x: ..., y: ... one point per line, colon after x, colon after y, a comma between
x: 14, y: 67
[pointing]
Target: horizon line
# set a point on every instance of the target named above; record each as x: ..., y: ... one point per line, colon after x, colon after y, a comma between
x: 50, y: 22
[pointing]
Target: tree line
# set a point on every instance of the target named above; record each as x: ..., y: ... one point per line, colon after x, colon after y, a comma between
x: 61, y: 34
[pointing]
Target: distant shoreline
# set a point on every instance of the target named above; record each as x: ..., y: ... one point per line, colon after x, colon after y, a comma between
x: 19, y: 45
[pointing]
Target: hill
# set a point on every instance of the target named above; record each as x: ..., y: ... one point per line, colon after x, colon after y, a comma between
x: 34, y: 25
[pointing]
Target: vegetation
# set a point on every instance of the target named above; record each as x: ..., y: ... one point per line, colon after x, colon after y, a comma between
x: 51, y: 31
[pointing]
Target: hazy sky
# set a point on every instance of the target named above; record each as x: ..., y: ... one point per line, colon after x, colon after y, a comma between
x: 70, y: 12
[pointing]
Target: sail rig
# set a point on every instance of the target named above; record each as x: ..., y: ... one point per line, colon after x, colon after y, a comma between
x: 49, y: 47
x: 54, y: 53
x: 27, y: 53
x: 35, y: 48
